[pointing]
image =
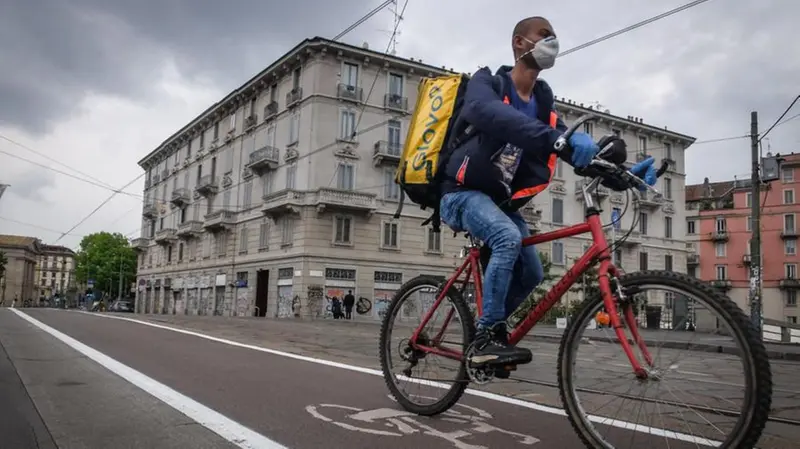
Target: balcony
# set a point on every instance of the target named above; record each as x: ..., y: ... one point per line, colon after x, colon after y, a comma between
x: 345, y: 200
x: 156, y: 179
x: 264, y: 159
x: 283, y: 202
x: 164, y: 174
x: 692, y: 259
x: 633, y: 239
x: 150, y: 210
x: 207, y: 185
x: 219, y: 220
x: 789, y: 234
x: 599, y: 192
x: 180, y: 196
x: 722, y: 284
x: 165, y: 236
x: 746, y: 259
x: 789, y: 283
x: 386, y: 152
x: 294, y: 96
x: 720, y: 236
x: 270, y: 110
x: 140, y: 244
x: 189, y: 229
x: 349, y: 93
x: 648, y: 200
x: 395, y: 102
x: 531, y: 215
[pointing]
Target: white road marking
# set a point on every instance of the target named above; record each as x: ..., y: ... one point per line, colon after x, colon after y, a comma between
x: 226, y: 428
x: 478, y: 393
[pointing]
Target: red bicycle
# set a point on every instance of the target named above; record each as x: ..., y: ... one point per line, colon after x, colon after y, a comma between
x: 620, y: 297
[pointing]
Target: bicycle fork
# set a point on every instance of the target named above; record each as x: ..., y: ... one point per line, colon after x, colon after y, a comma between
x: 610, y: 303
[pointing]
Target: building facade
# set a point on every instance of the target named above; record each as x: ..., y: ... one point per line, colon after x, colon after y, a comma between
x: 18, y: 281
x: 55, y: 270
x: 719, y: 221
x: 280, y: 197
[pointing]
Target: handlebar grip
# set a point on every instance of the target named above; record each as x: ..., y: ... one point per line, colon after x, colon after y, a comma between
x: 562, y: 142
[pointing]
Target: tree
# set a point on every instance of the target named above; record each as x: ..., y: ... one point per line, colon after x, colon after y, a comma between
x: 101, y: 258
x: 3, y: 263
x: 587, y: 284
x: 537, y: 293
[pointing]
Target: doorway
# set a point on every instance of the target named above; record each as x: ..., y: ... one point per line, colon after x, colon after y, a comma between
x: 262, y: 292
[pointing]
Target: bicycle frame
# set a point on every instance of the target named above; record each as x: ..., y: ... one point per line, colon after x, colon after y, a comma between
x: 599, y: 250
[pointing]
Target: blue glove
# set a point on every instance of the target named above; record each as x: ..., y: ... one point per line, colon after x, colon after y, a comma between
x: 646, y: 172
x: 583, y: 149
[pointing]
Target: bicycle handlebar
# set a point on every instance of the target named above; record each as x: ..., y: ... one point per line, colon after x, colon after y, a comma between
x: 606, y: 169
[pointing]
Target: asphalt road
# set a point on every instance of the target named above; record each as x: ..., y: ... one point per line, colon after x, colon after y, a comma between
x: 117, y: 383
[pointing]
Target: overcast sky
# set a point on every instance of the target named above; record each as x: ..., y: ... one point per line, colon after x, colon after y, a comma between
x: 97, y: 84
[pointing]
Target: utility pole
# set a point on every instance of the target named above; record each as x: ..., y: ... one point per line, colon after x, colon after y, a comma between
x: 119, y: 293
x: 755, y: 241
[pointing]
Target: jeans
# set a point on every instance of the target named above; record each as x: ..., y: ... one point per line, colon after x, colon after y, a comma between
x: 513, y: 271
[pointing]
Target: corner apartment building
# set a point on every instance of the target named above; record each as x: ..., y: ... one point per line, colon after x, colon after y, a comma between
x: 55, y: 270
x: 17, y: 282
x: 719, y: 220
x: 280, y: 196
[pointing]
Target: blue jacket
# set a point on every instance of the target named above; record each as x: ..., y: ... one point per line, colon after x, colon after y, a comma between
x: 487, y: 109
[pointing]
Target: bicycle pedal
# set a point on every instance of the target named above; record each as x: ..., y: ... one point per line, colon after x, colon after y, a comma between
x: 510, y: 367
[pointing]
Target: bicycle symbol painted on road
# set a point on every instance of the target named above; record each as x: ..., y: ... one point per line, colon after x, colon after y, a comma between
x: 467, y: 422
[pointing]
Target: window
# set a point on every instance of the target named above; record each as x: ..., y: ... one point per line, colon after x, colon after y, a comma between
x: 787, y: 174
x: 287, y: 231
x: 269, y: 137
x: 396, y: 84
x: 617, y: 212
x: 291, y: 176
x: 722, y: 272
x: 643, y: 261
x: 391, y: 191
x: 691, y: 227
x: 617, y: 258
x: 749, y: 225
x: 390, y: 235
x: 721, y: 225
x: 294, y: 128
x: 588, y: 128
x: 226, y: 199
x: 263, y: 235
x: 434, y: 241
x: 232, y: 122
x: 668, y: 262
x: 169, y: 254
x: 557, y: 210
x: 342, y: 229
x: 788, y: 223
x: 395, y: 146
x: 174, y: 183
x: 692, y: 271
x: 748, y: 199
x: 790, y: 298
x: 720, y: 248
x: 790, y: 247
x: 643, y: 223
x: 788, y: 196
x: 266, y: 183
x: 347, y: 125
x: 791, y: 319
x: 642, y: 144
x: 222, y: 243
x: 248, y: 194
x: 668, y: 188
x: 186, y: 179
x: 350, y: 75
x: 559, y: 168
x: 296, y: 78
x: 244, y: 236
x: 216, y: 131
x: 668, y: 227
x: 557, y: 257
x: 790, y: 271
x: 345, y: 176
x: 668, y: 151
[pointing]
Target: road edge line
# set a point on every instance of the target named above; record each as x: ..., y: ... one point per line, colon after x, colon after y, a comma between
x: 228, y: 429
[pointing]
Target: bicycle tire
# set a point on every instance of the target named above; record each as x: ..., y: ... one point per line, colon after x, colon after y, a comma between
x: 757, y: 369
x: 385, y: 347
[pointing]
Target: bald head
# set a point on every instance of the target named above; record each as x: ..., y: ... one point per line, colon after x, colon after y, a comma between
x: 529, y: 30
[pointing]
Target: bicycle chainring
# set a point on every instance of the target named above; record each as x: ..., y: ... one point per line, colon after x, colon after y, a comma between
x: 480, y: 375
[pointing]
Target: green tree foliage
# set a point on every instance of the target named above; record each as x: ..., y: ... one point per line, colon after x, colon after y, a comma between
x: 101, y: 257
x: 3, y: 263
x: 587, y: 285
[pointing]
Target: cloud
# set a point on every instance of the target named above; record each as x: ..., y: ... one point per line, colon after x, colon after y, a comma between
x: 98, y: 84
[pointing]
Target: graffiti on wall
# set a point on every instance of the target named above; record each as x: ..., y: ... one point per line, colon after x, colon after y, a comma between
x: 382, y: 300
x: 242, y: 301
x: 285, y: 301
x: 314, y: 302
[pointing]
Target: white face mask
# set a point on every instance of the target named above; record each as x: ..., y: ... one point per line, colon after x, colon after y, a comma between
x: 543, y: 54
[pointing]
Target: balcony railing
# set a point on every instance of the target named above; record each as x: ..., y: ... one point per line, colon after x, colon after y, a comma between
x: 395, y: 102
x: 150, y: 210
x: 789, y: 234
x: 264, y: 159
x: 140, y: 244
x: 720, y: 236
x: 207, y: 185
x: 294, y: 96
x: 339, y: 199
x: 789, y: 283
x: 180, y: 196
x: 270, y: 110
x: 648, y: 200
x: 220, y: 219
x: 600, y: 191
x: 692, y: 259
x: 165, y: 235
x: 189, y: 229
x: 283, y: 202
x: 386, y: 152
x: 722, y: 284
x: 350, y: 93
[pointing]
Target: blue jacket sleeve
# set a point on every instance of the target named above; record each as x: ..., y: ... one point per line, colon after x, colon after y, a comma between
x: 485, y: 110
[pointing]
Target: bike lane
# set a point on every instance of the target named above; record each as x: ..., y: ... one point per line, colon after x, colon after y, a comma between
x: 302, y: 404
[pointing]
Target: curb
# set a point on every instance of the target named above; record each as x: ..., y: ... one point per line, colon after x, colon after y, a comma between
x: 774, y: 354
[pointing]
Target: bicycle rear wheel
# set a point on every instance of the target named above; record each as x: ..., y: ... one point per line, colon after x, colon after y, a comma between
x: 403, y: 315
x: 732, y: 331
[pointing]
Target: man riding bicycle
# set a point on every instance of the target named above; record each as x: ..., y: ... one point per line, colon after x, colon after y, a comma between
x: 491, y: 175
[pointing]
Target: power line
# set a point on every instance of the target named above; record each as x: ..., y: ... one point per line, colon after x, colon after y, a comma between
x: 779, y: 118
x: 363, y: 19
x: 632, y: 27
x: 38, y: 227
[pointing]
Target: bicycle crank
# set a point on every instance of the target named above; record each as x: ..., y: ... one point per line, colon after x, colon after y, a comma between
x: 481, y: 375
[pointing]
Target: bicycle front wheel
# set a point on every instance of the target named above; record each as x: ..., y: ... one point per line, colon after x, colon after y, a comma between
x: 676, y: 315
